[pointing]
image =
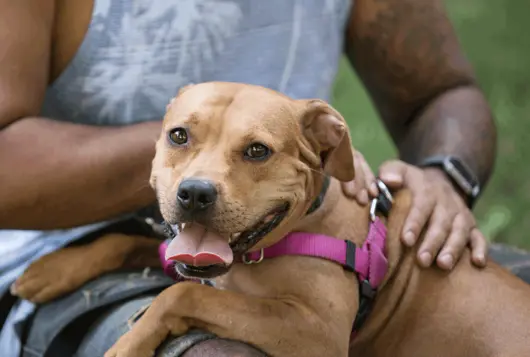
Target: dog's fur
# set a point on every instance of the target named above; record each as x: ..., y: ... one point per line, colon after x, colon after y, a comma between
x: 301, y: 306
x: 67, y: 269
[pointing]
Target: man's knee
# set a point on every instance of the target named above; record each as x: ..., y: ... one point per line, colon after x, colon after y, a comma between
x: 223, y: 348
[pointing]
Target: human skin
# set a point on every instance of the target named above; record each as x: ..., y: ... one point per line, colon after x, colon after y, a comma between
x: 95, y: 166
x: 409, y: 59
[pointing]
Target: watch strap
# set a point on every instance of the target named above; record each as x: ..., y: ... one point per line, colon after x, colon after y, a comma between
x: 458, y: 172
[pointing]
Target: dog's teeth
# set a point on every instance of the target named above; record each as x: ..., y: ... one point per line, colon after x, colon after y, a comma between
x: 268, y: 218
x: 233, y: 237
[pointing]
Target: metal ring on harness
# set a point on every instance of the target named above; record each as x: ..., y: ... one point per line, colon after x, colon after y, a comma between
x: 385, y: 193
x: 373, y: 209
x: 384, y: 190
x: 250, y: 261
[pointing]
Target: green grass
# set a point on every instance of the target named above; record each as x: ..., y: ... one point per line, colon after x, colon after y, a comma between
x: 495, y: 35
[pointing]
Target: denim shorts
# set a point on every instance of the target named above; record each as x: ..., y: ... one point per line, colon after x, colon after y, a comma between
x: 87, y: 322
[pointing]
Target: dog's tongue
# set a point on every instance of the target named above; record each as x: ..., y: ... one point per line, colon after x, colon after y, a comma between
x: 195, y: 245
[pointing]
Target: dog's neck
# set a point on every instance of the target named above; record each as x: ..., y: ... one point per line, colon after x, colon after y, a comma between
x: 344, y: 218
x: 325, y: 219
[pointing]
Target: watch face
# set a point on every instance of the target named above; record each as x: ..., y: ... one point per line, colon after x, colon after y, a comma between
x: 464, y: 171
x: 461, y: 174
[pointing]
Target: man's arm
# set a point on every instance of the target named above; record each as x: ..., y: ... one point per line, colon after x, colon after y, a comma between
x: 408, y: 56
x: 55, y: 174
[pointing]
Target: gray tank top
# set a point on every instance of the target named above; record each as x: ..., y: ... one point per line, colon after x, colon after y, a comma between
x: 138, y: 53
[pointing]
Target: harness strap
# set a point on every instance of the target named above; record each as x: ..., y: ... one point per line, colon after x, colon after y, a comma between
x: 368, y: 261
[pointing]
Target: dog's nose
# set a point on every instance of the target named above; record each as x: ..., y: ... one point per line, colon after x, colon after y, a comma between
x: 196, y: 195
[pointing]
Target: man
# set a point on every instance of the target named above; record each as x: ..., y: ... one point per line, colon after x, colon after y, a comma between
x: 83, y: 88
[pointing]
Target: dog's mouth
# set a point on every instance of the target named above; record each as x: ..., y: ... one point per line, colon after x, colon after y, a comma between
x: 201, y: 272
x: 243, y: 241
x: 204, y: 254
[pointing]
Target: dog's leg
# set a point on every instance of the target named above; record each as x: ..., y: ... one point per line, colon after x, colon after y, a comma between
x: 223, y: 348
x: 279, y: 327
x: 67, y: 269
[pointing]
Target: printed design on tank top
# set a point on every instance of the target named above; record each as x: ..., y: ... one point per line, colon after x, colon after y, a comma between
x: 182, y: 36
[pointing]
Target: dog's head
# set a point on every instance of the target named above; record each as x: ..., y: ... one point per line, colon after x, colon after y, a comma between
x: 239, y: 164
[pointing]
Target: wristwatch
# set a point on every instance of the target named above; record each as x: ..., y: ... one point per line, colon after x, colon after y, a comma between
x: 459, y: 173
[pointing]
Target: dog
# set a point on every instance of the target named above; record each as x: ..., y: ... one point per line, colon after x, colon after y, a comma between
x: 238, y: 169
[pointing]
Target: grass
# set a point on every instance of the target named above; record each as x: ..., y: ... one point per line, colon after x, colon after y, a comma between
x: 494, y: 35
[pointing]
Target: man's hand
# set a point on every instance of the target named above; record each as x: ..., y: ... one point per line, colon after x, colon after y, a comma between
x: 436, y: 205
x: 363, y: 187
x: 436, y: 209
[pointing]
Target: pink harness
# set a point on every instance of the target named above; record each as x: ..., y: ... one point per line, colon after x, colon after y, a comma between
x: 368, y: 262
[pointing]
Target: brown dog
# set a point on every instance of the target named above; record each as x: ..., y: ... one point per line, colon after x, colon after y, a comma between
x: 235, y: 160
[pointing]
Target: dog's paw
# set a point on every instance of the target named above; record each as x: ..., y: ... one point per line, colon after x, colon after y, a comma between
x: 141, y: 341
x: 55, y: 275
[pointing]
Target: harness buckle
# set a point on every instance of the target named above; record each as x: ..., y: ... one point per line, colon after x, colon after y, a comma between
x: 384, y: 190
x: 250, y: 261
x: 366, y: 290
x: 383, y: 202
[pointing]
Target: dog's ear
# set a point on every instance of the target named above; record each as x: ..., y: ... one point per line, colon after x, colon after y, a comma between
x: 327, y: 130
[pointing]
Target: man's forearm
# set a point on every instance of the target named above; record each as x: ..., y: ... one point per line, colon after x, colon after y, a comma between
x: 457, y: 122
x: 408, y: 56
x: 57, y: 175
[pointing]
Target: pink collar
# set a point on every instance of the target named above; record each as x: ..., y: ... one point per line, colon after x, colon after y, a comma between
x: 369, y: 261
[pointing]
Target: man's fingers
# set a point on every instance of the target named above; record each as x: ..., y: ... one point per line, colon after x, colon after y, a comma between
x: 369, y: 179
x: 392, y: 173
x: 479, y: 248
x: 455, y: 244
x: 414, y: 223
x: 349, y: 188
x: 422, y: 208
x: 435, y: 236
x: 363, y: 186
x: 362, y: 197
x: 353, y: 189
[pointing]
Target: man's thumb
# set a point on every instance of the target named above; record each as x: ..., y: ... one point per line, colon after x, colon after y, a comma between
x: 392, y: 173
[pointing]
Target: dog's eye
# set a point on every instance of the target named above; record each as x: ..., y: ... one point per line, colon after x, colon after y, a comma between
x: 257, y: 151
x: 178, y: 136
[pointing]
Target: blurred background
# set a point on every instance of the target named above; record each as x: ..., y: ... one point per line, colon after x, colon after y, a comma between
x: 494, y: 34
